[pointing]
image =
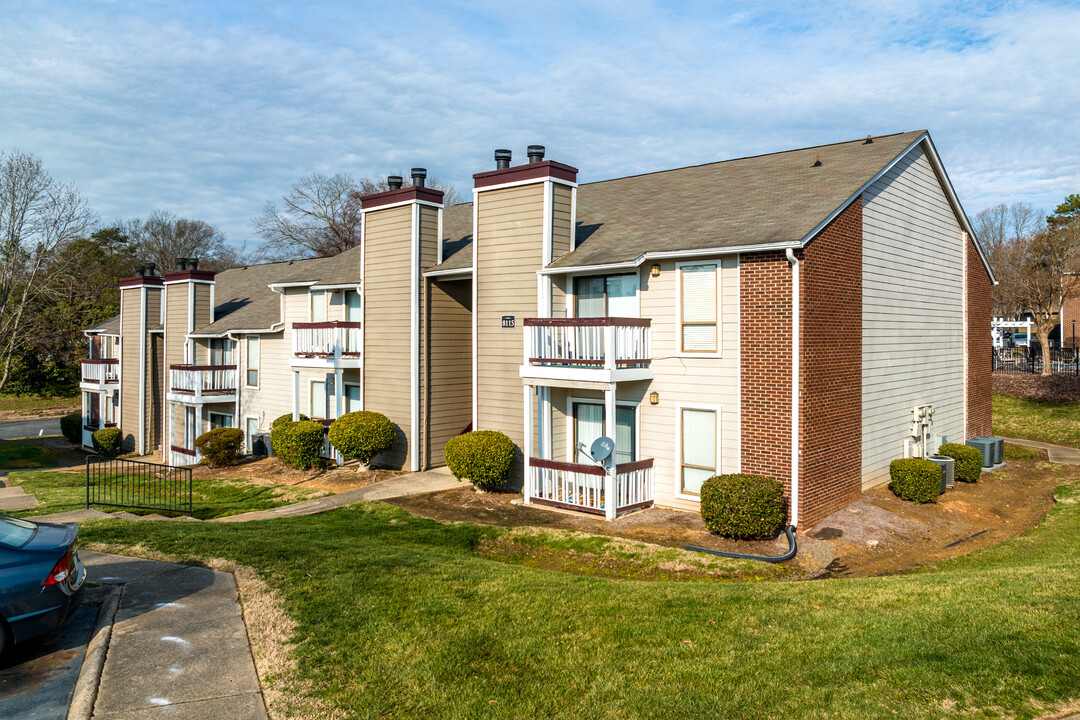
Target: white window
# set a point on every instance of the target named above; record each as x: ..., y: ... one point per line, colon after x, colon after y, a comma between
x: 699, y: 456
x: 589, y: 424
x: 606, y: 296
x: 92, y: 417
x: 352, y: 398
x: 317, y: 406
x: 221, y: 351
x: 191, y: 430
x: 699, y: 308
x: 218, y: 420
x: 110, y: 408
x: 318, y: 306
x: 352, y: 306
x: 252, y: 375
x: 251, y: 430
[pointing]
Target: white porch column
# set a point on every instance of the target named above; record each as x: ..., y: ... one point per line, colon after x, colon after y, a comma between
x: 527, y: 485
x: 339, y: 398
x: 170, y: 424
x: 296, y: 395
x: 610, y: 501
x: 82, y: 420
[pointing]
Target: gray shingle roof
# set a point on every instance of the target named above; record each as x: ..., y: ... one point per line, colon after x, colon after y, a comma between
x: 760, y: 200
x: 457, y: 237
x: 244, y: 300
x: 106, y: 327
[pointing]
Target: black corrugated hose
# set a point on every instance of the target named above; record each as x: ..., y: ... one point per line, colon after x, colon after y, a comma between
x: 792, y: 549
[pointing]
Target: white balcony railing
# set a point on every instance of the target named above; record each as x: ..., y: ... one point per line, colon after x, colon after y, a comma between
x: 101, y: 371
x: 200, y: 380
x: 588, y: 342
x: 585, y: 487
x: 326, y: 339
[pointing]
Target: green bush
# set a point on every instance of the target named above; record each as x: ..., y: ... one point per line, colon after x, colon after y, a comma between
x: 298, y: 444
x: 483, y: 456
x: 968, y: 461
x: 362, y: 435
x: 107, y: 441
x: 916, y: 480
x: 221, y: 446
x: 744, y: 507
x: 286, y: 418
x: 71, y: 427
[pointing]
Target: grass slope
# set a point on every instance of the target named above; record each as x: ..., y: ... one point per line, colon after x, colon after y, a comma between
x: 399, y: 617
x: 25, y: 403
x: 211, y: 498
x: 1042, y: 420
x: 14, y: 454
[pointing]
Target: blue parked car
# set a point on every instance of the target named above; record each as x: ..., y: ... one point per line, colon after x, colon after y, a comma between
x: 41, y: 578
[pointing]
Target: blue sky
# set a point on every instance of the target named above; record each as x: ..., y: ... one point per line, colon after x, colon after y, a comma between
x: 209, y: 110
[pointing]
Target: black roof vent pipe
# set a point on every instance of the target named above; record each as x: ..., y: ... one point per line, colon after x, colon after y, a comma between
x: 418, y: 176
x: 536, y: 153
x: 193, y: 263
x: 394, y: 182
x: 502, y: 159
x: 150, y: 268
x: 140, y: 271
x: 181, y: 264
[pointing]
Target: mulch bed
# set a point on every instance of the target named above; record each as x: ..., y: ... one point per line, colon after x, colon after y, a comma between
x: 1054, y: 388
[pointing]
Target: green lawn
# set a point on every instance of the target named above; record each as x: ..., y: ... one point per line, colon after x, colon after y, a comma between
x: 211, y: 498
x: 399, y: 617
x: 33, y: 454
x: 21, y: 403
x: 1042, y: 420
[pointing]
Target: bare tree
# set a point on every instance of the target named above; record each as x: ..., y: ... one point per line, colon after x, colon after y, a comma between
x: 163, y: 237
x: 320, y: 215
x: 38, y: 217
x: 1002, y: 229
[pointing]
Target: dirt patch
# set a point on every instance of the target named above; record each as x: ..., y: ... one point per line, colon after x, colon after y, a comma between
x: 271, y: 471
x: 1054, y: 388
x: 877, y: 535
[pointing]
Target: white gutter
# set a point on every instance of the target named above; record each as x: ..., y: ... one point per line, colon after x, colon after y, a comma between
x: 276, y: 327
x: 672, y: 254
x: 141, y: 446
x: 279, y: 287
x: 453, y: 273
x: 794, y: 261
x: 414, y: 345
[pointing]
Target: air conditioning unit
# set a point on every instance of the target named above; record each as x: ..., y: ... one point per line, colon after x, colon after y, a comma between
x: 948, y: 470
x: 986, y: 446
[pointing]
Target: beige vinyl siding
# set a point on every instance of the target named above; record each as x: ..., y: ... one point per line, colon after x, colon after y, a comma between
x: 130, y: 347
x: 429, y: 248
x: 508, y: 254
x: 202, y: 304
x: 448, y: 365
x: 387, y: 323
x: 176, y: 323
x: 273, y: 397
x: 692, y: 382
x: 913, y: 347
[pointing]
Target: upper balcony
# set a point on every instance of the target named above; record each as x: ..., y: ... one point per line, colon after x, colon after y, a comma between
x: 199, y: 384
x: 333, y: 344
x: 98, y: 373
x: 604, y: 350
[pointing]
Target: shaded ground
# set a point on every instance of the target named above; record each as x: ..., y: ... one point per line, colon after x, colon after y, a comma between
x: 271, y: 471
x: 877, y: 535
x: 43, y: 452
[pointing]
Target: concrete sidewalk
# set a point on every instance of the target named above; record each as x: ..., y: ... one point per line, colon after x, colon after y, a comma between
x: 1055, y: 453
x: 179, y: 647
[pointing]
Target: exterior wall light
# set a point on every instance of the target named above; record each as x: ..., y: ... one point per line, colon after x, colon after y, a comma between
x: 654, y: 398
x: 655, y: 272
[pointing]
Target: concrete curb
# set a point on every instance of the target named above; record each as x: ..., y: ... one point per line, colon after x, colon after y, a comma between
x: 82, y: 700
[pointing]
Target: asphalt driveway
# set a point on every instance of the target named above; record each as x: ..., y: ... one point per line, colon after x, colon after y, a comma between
x: 29, y: 428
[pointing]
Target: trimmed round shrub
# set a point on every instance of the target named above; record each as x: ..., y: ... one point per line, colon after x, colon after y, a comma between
x: 743, y: 507
x: 968, y: 461
x: 483, y: 456
x: 362, y: 435
x: 107, y: 441
x: 71, y: 427
x: 286, y: 418
x: 221, y: 446
x: 916, y: 480
x: 298, y: 444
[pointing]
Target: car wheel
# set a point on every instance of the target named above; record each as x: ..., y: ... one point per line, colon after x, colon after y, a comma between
x: 5, y: 638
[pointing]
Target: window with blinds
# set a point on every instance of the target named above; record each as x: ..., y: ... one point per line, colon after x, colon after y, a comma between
x: 698, y: 451
x: 251, y: 372
x: 698, y: 293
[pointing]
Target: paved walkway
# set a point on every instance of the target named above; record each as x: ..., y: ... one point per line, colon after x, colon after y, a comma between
x: 1055, y: 453
x: 179, y: 646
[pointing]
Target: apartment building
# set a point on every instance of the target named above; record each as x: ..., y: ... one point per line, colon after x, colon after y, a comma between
x: 809, y: 315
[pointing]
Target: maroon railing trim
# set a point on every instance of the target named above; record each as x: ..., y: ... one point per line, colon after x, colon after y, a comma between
x: 90, y: 427
x: 632, y: 466
x: 566, y: 467
x: 203, y: 368
x: 183, y: 450
x: 330, y: 324
x: 591, y: 363
x: 588, y: 322
x: 567, y: 506
x: 101, y: 361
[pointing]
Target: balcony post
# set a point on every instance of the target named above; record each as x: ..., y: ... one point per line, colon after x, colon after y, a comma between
x: 610, y: 499
x: 609, y: 348
x: 296, y: 395
x: 526, y: 490
x: 197, y: 374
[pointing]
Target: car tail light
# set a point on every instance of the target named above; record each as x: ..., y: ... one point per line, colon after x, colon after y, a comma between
x: 62, y: 570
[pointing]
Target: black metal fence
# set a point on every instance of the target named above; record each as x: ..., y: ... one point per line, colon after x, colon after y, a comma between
x: 1029, y: 361
x: 137, y: 485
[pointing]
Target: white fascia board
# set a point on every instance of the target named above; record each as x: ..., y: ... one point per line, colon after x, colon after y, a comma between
x: 670, y: 255
x: 337, y: 286
x: 276, y: 327
x: 279, y: 287
x: 401, y: 204
x: 456, y: 273
x: 179, y: 282
x: 519, y: 183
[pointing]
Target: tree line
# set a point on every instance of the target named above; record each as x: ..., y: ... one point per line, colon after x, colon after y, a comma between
x: 60, y: 265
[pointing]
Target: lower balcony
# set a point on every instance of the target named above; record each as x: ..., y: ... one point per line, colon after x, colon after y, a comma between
x: 333, y: 344
x: 589, y: 488
x: 200, y: 384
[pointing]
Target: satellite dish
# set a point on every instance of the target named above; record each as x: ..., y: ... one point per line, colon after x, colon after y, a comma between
x: 601, y: 449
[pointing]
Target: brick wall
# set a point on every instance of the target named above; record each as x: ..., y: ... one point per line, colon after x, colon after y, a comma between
x: 830, y: 473
x: 765, y: 366
x: 979, y: 348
